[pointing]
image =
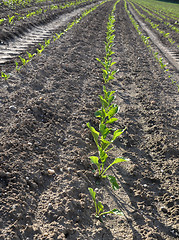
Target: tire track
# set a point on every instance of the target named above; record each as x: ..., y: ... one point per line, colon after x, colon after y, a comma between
x: 173, y: 57
x: 35, y: 35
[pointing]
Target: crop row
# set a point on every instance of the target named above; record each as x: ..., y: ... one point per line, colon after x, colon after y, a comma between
x: 22, y: 3
x: 47, y: 42
x: 17, y: 17
x: 105, y: 135
x: 147, y: 43
x: 162, y: 8
x: 154, y: 25
x: 161, y: 19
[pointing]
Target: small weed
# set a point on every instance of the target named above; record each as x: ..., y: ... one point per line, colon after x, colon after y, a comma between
x: 17, y: 67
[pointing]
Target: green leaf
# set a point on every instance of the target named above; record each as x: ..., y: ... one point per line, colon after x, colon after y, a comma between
x: 94, y: 133
x: 117, y: 160
x: 93, y: 194
x: 110, y: 78
x: 117, y: 133
x: 113, y: 63
x: 104, y: 143
x: 111, y: 120
x: 113, y: 182
x: 98, y: 113
x: 111, y: 53
x: 116, y: 211
x: 104, y: 89
x: 103, y: 113
x: 113, y: 72
x: 100, y: 207
x: 112, y: 92
x: 100, y: 62
x: 103, y: 155
x: 3, y: 74
x: 110, y: 99
x: 104, y: 130
x: 112, y: 111
x: 103, y: 102
x: 22, y: 60
x: 95, y: 160
x: 105, y: 72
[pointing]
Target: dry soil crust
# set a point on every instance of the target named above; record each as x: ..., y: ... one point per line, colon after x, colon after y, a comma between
x: 44, y: 111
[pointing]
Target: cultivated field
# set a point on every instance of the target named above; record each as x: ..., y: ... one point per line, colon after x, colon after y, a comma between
x: 89, y: 105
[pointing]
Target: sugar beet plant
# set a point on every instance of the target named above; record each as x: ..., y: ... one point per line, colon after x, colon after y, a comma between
x: 105, y: 136
x: 100, y: 208
x: 108, y: 74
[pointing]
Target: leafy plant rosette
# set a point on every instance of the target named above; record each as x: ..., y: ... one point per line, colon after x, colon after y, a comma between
x: 104, y: 145
x: 99, y: 208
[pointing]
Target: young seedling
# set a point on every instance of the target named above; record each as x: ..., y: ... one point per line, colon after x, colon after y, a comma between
x: 30, y: 55
x: 108, y: 74
x: 11, y: 19
x: 99, y: 208
x: 100, y: 137
x: 2, y: 20
x: 47, y: 42
x: 24, y: 62
x: 5, y: 76
x: 57, y: 36
x: 39, y: 51
x: 17, y: 67
x: 103, y: 146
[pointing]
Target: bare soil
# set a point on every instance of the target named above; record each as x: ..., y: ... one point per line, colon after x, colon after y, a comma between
x: 44, y: 111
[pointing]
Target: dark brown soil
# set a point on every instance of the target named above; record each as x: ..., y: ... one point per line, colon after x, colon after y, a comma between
x: 44, y: 111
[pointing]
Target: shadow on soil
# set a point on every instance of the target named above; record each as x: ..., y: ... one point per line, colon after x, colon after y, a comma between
x: 142, y: 198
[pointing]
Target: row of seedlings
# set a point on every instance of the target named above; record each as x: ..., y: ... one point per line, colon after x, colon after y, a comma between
x: 24, y: 61
x: 105, y: 135
x: 174, y: 28
x: 154, y: 25
x: 147, y: 43
x: 18, y: 17
x: 162, y: 12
